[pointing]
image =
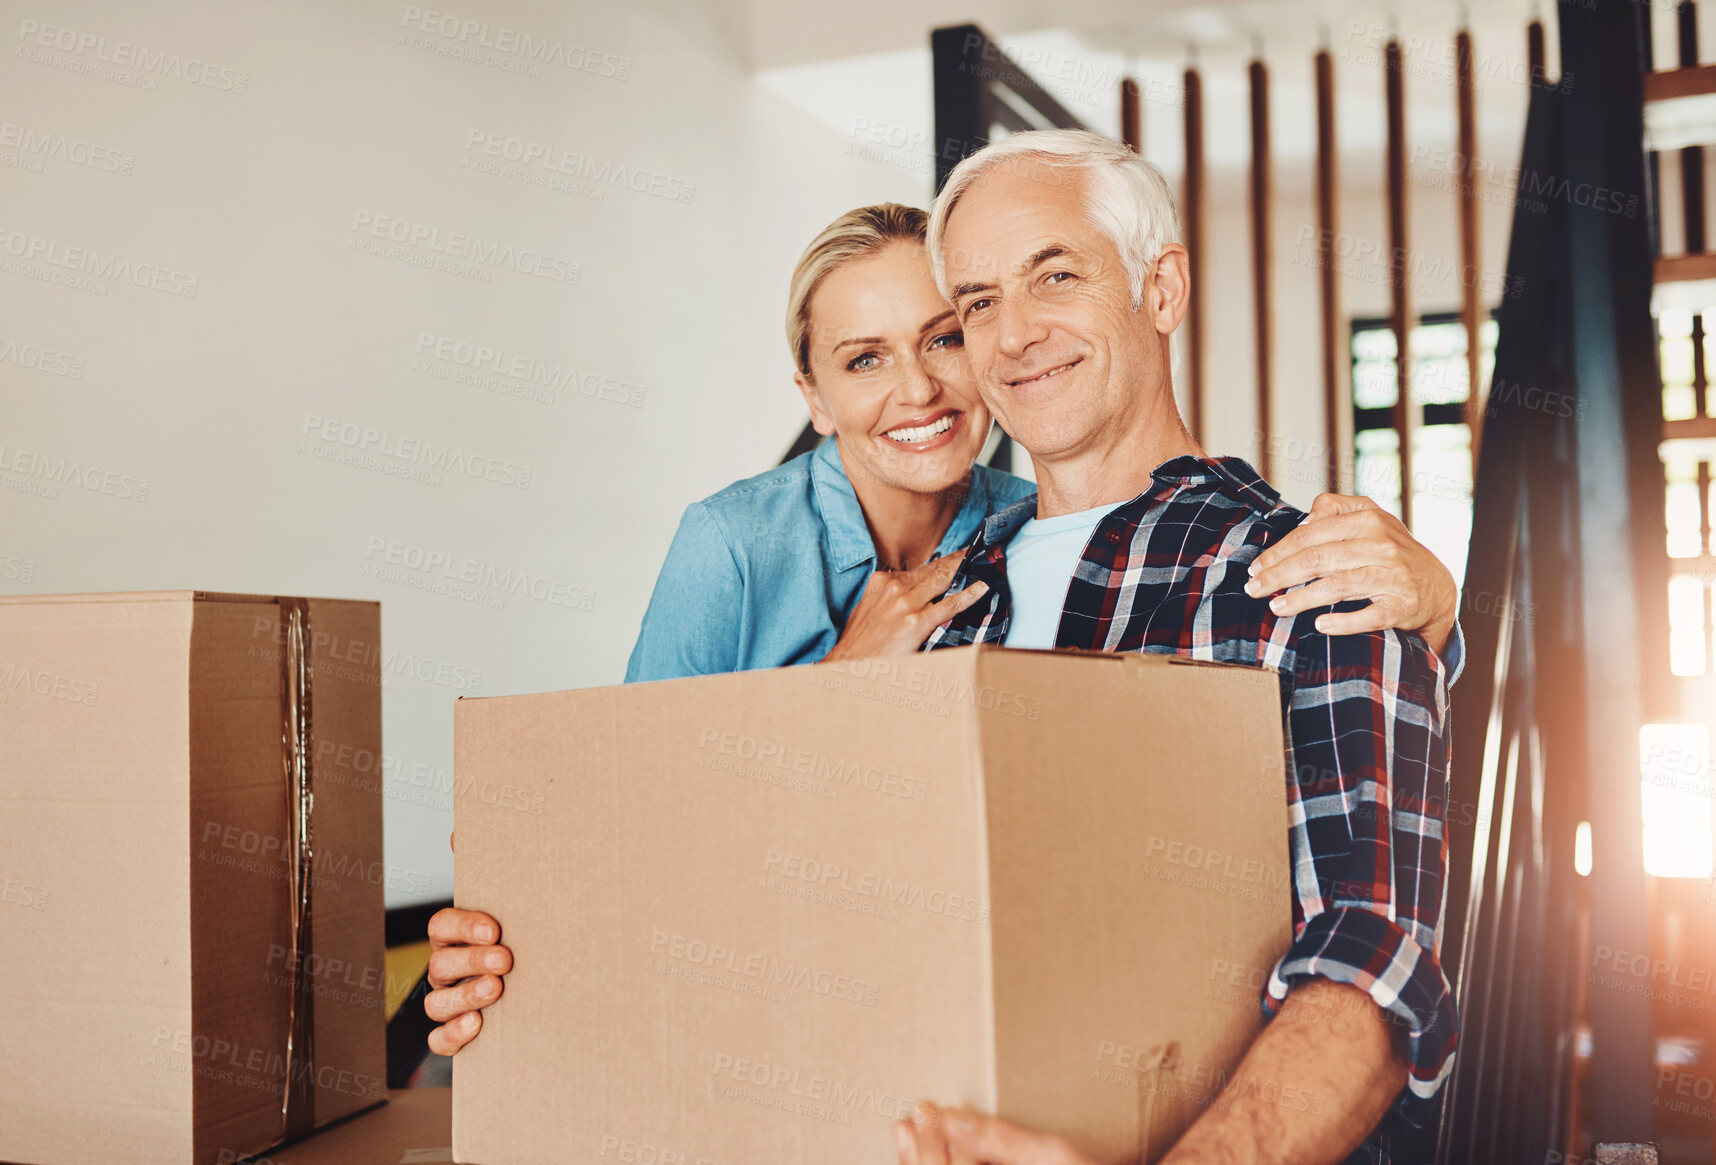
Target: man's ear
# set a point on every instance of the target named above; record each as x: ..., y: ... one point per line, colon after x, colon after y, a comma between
x: 820, y: 418
x: 1168, y: 293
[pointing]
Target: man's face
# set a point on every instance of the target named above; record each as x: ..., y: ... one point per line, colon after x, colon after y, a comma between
x: 1057, y: 350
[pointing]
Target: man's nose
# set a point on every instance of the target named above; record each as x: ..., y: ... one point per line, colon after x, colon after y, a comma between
x: 1018, y: 327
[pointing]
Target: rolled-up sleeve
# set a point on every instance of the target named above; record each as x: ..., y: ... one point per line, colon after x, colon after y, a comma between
x: 1367, y: 723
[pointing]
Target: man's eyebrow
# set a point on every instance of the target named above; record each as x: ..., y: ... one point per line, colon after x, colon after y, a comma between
x: 1052, y: 251
x: 946, y: 315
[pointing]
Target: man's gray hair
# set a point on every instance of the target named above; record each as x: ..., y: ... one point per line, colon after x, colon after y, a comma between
x: 1128, y: 198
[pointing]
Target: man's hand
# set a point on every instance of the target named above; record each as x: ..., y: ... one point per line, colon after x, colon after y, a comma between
x: 465, y: 968
x: 955, y: 1136
x: 900, y: 609
x: 1354, y: 549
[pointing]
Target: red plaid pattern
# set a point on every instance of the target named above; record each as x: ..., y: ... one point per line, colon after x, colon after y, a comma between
x: 1366, y: 720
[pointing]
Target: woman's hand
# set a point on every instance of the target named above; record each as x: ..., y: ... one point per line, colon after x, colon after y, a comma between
x: 465, y: 970
x: 1354, y: 549
x: 899, y: 610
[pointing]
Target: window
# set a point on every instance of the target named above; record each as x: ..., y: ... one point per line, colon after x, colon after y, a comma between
x: 1442, y: 444
x: 1684, y: 351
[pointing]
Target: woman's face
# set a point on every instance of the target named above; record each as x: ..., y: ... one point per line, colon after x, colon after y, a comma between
x: 889, y: 376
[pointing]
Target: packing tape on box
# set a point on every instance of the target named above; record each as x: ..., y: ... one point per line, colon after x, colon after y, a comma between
x: 1161, y: 1065
x: 298, y: 1105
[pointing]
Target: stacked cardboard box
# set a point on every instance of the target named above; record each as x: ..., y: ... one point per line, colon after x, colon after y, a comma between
x: 166, y: 926
x: 756, y: 916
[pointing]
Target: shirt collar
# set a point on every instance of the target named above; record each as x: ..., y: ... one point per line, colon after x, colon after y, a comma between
x: 849, y: 538
x: 1176, y: 473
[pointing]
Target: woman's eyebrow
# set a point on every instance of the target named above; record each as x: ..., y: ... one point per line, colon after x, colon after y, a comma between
x: 859, y: 340
x: 930, y: 324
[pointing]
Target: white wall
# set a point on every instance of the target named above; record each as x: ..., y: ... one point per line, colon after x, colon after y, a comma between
x: 320, y: 123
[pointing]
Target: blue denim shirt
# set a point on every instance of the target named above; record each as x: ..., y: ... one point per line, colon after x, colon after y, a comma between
x: 765, y: 572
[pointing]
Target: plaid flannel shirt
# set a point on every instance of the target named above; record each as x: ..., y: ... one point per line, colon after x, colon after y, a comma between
x: 1366, y: 729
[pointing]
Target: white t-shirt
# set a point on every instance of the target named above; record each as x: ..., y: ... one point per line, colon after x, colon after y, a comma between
x: 1041, y: 560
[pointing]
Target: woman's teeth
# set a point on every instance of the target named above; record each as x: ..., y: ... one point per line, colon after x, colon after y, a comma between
x: 922, y: 432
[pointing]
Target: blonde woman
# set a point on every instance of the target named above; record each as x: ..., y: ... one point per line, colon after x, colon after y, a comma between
x: 844, y: 551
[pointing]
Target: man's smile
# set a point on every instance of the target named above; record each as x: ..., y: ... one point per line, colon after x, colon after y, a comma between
x: 1043, y: 376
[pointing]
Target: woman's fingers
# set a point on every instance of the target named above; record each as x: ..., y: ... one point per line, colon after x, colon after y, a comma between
x: 450, y: 1037
x: 450, y: 965
x: 931, y: 580
x: 942, y: 613
x: 454, y: 926
x: 471, y: 995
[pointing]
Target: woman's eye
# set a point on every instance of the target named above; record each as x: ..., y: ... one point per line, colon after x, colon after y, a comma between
x: 949, y: 340
x: 863, y: 363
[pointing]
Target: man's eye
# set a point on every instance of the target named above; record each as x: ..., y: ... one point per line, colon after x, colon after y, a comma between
x: 863, y: 363
x: 1061, y: 276
x: 978, y: 305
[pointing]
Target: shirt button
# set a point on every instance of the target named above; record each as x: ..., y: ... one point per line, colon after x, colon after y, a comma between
x: 1114, y: 536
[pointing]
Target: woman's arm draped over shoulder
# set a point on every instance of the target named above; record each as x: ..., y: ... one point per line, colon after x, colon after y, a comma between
x: 692, y: 625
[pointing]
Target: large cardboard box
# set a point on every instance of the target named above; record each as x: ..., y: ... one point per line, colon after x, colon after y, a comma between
x: 756, y: 916
x: 153, y: 962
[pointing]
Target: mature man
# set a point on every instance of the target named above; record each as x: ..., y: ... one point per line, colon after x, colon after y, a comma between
x: 1059, y: 253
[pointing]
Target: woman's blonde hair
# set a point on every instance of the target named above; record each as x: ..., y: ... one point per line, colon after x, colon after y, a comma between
x: 857, y: 234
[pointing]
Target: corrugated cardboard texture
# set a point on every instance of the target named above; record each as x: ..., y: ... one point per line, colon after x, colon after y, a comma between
x: 1132, y: 866
x: 94, y: 789
x: 142, y: 795
x: 752, y: 914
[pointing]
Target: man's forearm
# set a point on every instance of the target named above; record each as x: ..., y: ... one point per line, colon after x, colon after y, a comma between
x: 1318, y: 1079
